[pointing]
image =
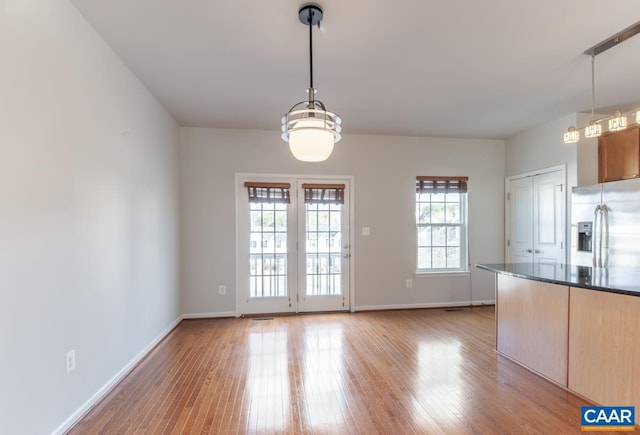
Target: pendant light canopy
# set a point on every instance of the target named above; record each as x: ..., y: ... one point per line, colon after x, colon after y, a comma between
x: 308, y: 127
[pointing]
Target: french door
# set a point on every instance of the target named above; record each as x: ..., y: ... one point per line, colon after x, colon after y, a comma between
x: 293, y: 245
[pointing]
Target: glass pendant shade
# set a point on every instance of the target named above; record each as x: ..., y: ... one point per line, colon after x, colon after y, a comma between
x: 310, y: 141
x: 572, y: 135
x: 618, y: 122
x: 593, y: 130
x: 311, y: 131
x: 309, y: 128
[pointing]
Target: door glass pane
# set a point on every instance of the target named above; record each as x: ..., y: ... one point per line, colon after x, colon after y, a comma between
x: 323, y: 227
x: 335, y: 244
x: 268, y: 250
x: 281, y: 220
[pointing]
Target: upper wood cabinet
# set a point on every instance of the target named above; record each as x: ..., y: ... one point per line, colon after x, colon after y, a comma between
x: 619, y: 155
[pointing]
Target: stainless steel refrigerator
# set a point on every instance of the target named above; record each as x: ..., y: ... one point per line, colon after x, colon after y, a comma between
x: 605, y: 224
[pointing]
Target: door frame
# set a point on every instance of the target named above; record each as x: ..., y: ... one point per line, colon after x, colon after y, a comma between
x: 302, y: 252
x: 240, y: 192
x: 507, y: 187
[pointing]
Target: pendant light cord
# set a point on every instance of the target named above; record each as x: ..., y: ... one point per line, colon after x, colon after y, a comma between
x: 593, y: 87
x: 311, y: 53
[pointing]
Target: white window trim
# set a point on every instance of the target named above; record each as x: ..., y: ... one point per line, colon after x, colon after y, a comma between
x: 464, y: 244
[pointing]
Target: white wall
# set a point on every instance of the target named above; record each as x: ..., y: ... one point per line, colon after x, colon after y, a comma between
x: 88, y: 220
x: 383, y: 167
x: 587, y: 154
x: 544, y: 147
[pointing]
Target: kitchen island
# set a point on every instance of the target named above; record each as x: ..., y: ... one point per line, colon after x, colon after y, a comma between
x: 576, y: 326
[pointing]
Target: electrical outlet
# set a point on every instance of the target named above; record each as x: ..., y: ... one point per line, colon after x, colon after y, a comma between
x: 222, y: 289
x: 70, y: 360
x: 409, y: 283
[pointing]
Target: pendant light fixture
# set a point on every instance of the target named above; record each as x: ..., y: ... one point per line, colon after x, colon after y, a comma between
x: 571, y: 135
x: 619, y: 120
x: 308, y: 127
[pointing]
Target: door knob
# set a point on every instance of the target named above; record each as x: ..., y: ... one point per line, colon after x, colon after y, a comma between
x: 537, y: 251
x: 345, y: 255
x: 529, y: 251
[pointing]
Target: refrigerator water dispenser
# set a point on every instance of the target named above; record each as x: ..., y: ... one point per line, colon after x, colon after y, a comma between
x: 585, y: 235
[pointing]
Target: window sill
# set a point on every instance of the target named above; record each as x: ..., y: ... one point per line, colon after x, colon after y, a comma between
x: 442, y: 274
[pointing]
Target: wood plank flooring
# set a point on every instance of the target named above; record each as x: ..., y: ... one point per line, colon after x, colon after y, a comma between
x: 396, y: 372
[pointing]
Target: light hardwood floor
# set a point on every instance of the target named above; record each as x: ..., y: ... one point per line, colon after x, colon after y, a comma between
x: 396, y: 372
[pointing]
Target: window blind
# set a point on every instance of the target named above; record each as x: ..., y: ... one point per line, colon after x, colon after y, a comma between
x: 323, y: 193
x: 268, y: 192
x: 441, y: 184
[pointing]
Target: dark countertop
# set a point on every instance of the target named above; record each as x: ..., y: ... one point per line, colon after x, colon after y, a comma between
x: 613, y: 280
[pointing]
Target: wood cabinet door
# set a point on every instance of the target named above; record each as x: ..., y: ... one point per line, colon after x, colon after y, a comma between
x: 603, y: 347
x: 532, y: 325
x: 619, y: 155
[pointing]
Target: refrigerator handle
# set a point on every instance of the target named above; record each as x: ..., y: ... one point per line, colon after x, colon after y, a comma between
x: 604, y: 253
x: 596, y: 233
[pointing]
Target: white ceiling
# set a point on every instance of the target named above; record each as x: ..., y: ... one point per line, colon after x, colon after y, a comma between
x: 457, y: 68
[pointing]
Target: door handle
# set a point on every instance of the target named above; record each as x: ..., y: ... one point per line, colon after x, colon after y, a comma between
x: 528, y: 251
x: 596, y: 232
x: 604, y: 233
x: 346, y: 255
x: 537, y: 251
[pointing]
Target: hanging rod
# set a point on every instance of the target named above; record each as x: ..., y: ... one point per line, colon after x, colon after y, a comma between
x: 614, y: 40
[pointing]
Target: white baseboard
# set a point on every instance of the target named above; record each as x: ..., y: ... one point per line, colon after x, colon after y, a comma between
x: 114, y: 381
x: 209, y: 315
x: 422, y: 305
